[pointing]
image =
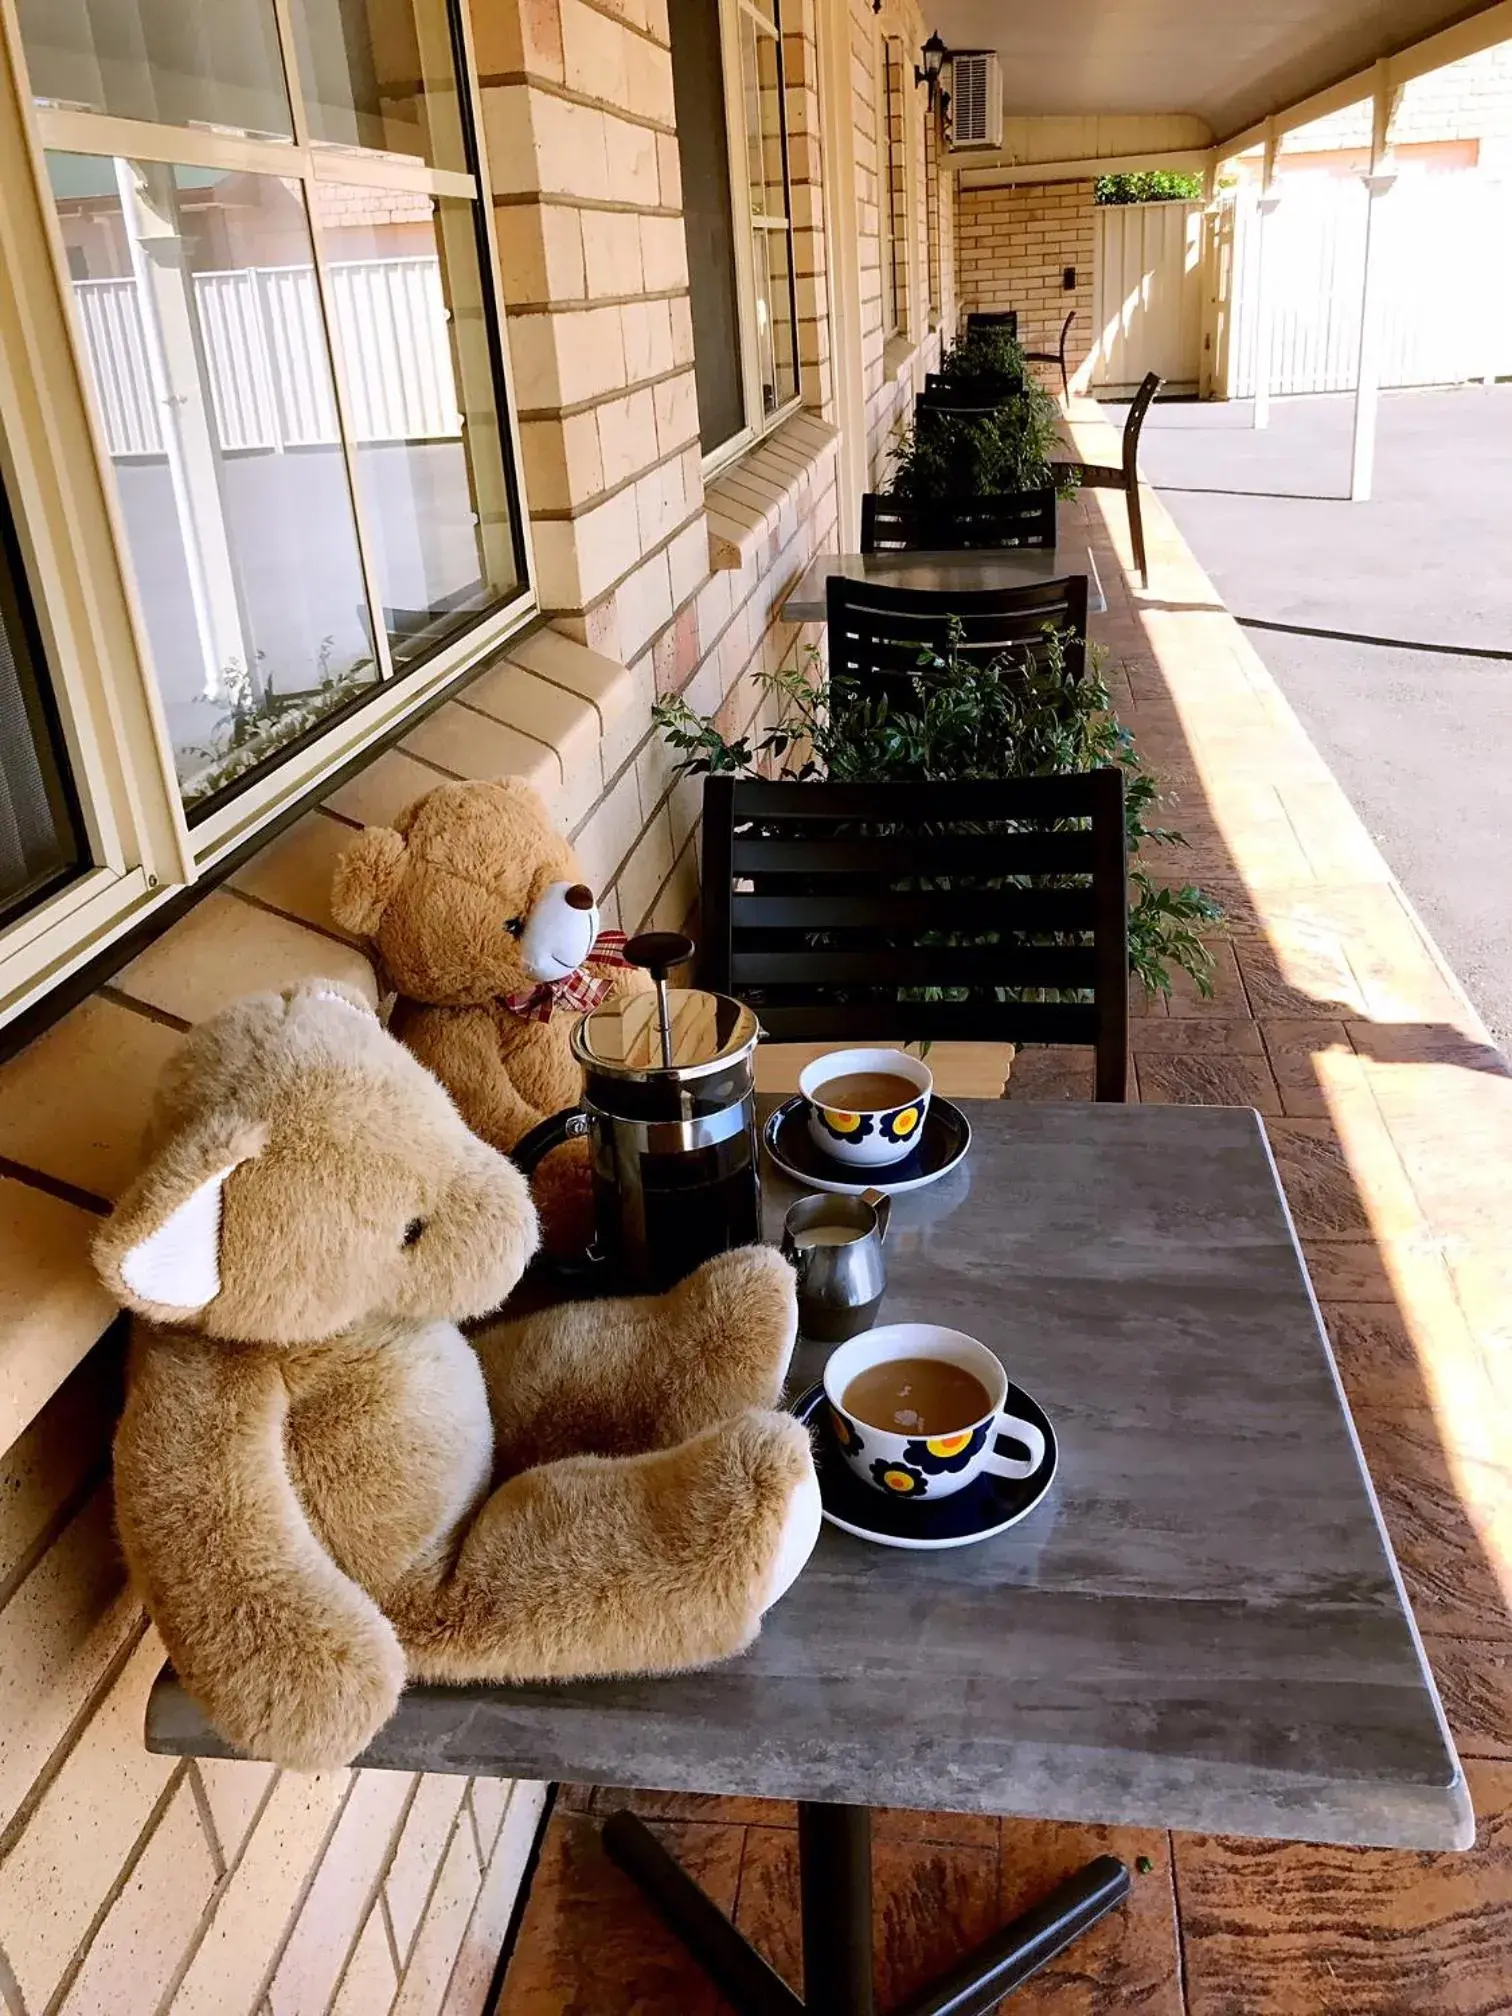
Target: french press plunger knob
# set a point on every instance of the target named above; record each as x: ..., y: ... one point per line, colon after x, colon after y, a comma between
x: 659, y: 952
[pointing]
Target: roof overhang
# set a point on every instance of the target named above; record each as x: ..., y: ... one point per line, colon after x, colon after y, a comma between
x: 1231, y: 67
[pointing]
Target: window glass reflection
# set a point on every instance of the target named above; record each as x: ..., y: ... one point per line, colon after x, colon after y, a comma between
x: 407, y: 304
x: 201, y: 324
x: 379, y: 74
x: 173, y: 62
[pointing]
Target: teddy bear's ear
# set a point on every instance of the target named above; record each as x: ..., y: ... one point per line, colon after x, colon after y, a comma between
x: 159, y: 1251
x: 366, y: 878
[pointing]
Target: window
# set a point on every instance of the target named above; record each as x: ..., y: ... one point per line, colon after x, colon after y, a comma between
x: 893, y: 195
x: 39, y: 828
x: 732, y: 135
x: 287, y: 342
x: 275, y: 274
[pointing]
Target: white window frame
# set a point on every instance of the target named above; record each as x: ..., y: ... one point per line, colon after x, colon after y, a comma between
x: 139, y: 845
x: 897, y: 233
x: 758, y: 423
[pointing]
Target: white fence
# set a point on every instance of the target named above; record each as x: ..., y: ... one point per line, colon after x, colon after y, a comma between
x: 1446, y: 248
x: 1147, y: 295
x: 265, y: 355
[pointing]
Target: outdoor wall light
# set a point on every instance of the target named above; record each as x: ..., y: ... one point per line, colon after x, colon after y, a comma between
x: 933, y: 53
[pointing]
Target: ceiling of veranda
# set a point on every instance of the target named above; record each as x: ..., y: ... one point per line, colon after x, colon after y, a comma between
x: 1229, y: 62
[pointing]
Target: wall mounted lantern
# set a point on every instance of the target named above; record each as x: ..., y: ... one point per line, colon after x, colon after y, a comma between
x: 933, y: 53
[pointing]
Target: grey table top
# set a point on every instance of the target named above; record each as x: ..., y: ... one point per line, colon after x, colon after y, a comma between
x: 1013, y: 567
x: 1201, y: 1626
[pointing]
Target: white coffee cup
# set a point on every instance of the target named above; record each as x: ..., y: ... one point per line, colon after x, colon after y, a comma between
x: 935, y: 1466
x: 872, y: 1138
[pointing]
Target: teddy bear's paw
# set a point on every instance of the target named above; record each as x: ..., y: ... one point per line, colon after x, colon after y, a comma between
x: 310, y: 1706
x: 800, y: 1533
x: 772, y: 1499
x: 741, y: 1309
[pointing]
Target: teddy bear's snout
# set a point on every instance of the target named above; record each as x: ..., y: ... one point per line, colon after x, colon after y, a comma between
x: 559, y: 931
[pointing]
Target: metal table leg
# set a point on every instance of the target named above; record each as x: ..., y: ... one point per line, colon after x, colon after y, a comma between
x: 834, y: 1853
x: 834, y: 1865
x: 731, y: 1962
x: 1004, y: 1962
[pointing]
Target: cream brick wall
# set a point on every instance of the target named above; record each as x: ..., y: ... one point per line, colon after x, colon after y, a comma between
x: 1469, y: 100
x: 1013, y: 246
x: 131, y: 1883
x: 894, y: 361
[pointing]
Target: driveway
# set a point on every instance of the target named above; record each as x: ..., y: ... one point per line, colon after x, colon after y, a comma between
x: 1419, y: 739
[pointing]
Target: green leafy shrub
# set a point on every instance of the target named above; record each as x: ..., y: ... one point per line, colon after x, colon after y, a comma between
x: 1025, y: 715
x: 252, y: 721
x: 1148, y: 185
x: 984, y: 357
x: 980, y: 455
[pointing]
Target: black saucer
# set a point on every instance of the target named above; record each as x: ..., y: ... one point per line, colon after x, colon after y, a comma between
x: 943, y: 1140
x: 988, y: 1505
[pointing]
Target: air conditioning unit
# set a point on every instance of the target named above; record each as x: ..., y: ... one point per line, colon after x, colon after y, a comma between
x: 976, y: 99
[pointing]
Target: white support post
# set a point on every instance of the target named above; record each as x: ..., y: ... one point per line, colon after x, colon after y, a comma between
x: 1269, y: 198
x: 1378, y: 183
x: 165, y: 295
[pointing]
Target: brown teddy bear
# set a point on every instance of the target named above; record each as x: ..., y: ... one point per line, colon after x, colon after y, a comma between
x: 478, y: 910
x: 323, y: 1488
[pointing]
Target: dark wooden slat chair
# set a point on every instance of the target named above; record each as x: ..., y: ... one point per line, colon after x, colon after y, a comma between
x: 1098, y: 476
x: 992, y: 318
x: 975, y: 392
x: 877, y: 630
x: 955, y: 525
x: 824, y: 906
x: 1057, y: 356
x: 962, y: 403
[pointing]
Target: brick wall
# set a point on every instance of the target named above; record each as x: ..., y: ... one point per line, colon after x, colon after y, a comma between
x: 131, y: 1884
x: 1013, y: 246
x: 894, y: 359
x: 1468, y: 100
x: 800, y: 62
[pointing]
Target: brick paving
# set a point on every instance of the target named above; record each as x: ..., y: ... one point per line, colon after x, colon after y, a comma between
x: 1390, y: 1114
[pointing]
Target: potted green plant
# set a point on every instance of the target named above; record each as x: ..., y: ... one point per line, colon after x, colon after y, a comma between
x: 994, y: 453
x: 1022, y: 716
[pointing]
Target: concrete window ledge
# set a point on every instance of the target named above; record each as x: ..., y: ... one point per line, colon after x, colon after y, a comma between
x: 758, y: 503
x: 898, y: 355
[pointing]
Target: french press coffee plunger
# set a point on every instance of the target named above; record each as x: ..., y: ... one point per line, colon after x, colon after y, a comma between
x: 669, y: 1109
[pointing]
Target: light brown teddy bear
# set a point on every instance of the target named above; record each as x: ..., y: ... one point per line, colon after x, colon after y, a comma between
x: 479, y: 912
x: 323, y: 1488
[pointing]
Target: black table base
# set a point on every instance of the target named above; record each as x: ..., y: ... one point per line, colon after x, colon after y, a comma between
x: 834, y: 1855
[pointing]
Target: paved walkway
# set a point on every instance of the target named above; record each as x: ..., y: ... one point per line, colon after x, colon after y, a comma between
x: 1391, y: 1117
x: 1416, y: 738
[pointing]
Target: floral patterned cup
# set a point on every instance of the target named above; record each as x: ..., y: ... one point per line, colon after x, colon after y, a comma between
x: 933, y: 1466
x: 874, y: 1138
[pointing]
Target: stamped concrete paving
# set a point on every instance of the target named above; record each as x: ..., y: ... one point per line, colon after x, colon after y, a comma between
x: 1391, y: 1117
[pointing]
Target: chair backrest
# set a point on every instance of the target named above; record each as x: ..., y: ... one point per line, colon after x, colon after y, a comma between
x: 1134, y: 421
x: 1065, y: 333
x: 993, y: 318
x: 932, y: 413
x: 975, y: 392
x: 877, y: 631
x: 831, y: 908
x: 954, y: 525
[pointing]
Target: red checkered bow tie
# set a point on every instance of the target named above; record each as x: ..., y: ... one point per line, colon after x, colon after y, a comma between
x: 579, y: 992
